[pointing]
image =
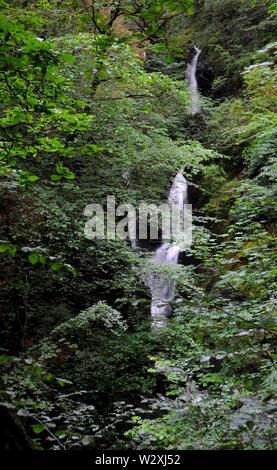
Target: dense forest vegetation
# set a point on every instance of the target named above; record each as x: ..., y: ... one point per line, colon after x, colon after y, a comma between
x: 92, y: 91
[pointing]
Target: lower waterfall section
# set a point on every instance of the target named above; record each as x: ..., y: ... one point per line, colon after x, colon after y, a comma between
x: 161, y: 286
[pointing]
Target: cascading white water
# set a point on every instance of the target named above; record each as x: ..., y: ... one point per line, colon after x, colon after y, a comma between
x: 192, y: 80
x: 163, y: 288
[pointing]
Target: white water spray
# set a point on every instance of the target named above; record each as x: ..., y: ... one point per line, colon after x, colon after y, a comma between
x: 192, y: 80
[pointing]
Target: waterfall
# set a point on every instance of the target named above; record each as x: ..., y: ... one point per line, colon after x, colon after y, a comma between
x: 192, y: 80
x: 163, y: 288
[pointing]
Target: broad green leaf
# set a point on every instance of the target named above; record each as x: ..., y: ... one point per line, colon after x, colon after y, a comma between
x: 33, y: 258
x: 38, y: 428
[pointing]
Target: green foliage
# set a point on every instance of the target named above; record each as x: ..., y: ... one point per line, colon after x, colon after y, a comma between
x: 82, y: 322
x: 248, y: 116
x: 149, y: 17
x: 83, y: 117
x: 260, y: 157
x: 217, y: 351
x: 7, y: 248
x: 273, y: 7
x: 34, y: 105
